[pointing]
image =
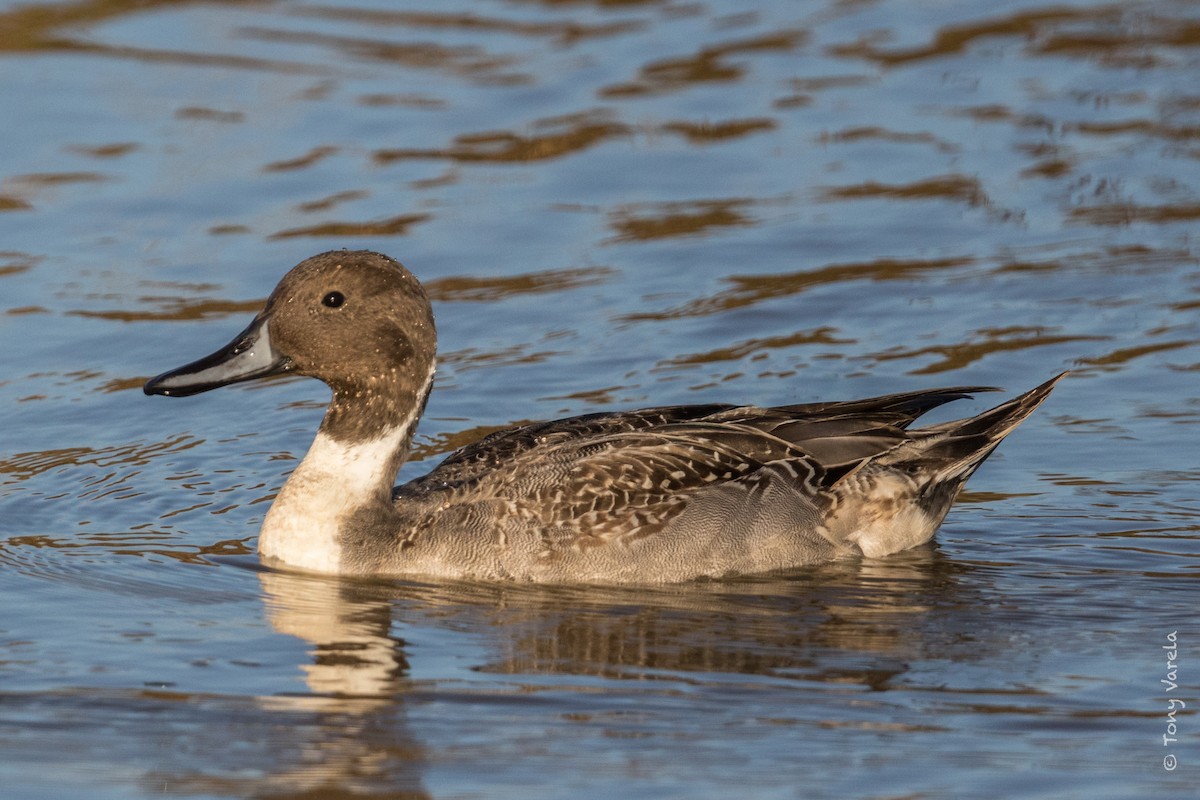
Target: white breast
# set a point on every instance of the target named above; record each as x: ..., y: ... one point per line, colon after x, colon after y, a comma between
x: 333, y: 481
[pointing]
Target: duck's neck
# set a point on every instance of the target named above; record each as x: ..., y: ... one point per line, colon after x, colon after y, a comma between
x: 349, y: 469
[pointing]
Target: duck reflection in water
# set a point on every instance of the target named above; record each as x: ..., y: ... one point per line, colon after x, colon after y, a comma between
x: 854, y: 624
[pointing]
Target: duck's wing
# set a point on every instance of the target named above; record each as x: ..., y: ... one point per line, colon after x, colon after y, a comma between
x: 626, y: 486
x: 590, y: 481
x: 498, y: 450
x: 837, y: 434
x: 622, y: 487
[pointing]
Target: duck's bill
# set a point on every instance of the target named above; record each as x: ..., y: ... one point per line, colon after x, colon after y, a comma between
x: 249, y: 356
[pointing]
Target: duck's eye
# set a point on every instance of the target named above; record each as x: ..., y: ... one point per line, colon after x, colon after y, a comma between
x: 333, y: 300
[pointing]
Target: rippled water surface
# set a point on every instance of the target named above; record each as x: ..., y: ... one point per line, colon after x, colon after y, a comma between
x: 614, y: 204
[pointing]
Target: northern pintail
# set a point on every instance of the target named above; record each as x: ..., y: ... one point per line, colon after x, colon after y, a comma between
x: 649, y: 496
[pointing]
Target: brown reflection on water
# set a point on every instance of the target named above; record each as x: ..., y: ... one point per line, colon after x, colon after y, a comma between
x: 947, y: 187
x: 1116, y: 36
x: 94, y: 545
x: 442, y: 443
x: 13, y: 263
x: 24, y: 187
x: 209, y: 114
x: 749, y: 290
x: 750, y: 347
x: 562, y: 33
x: 1129, y: 213
x: 1144, y: 127
x: 406, y: 100
x: 45, y: 29
x: 875, y: 132
x: 115, y: 150
x: 470, y: 358
x: 175, y: 309
x: 708, y: 65
x: 47, y: 179
x: 567, y: 135
x: 121, y: 384
x: 310, y: 158
x: 806, y: 88
x: 471, y: 289
x: 1053, y: 162
x: 8, y: 203
x: 36, y: 27
x: 337, y: 198
x: 22, y: 466
x: 950, y: 40
x: 708, y: 132
x: 392, y: 226
x: 1123, y: 45
x: 1002, y: 113
x: 958, y: 355
x: 1137, y: 258
x: 677, y: 219
x: 602, y: 396
x: 466, y: 61
x: 1118, y: 358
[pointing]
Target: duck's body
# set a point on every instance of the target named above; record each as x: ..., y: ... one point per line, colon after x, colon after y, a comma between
x: 656, y: 495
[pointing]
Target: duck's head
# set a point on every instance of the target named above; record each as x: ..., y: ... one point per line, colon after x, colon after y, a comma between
x: 357, y: 320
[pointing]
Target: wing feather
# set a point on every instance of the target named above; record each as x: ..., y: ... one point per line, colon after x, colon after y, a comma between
x: 609, y: 478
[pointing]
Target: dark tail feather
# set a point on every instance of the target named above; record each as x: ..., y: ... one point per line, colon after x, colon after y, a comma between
x: 895, y: 409
x: 954, y: 450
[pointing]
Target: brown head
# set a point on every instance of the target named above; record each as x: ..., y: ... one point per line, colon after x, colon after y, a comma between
x: 356, y: 320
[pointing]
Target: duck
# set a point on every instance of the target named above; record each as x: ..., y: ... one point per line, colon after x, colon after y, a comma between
x: 655, y: 495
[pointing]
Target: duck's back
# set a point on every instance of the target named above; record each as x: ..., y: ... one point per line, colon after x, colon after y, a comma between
x: 839, y: 431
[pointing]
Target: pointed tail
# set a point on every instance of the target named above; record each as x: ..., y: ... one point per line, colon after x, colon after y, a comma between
x: 952, y: 451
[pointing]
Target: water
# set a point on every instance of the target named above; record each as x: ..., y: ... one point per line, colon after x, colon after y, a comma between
x: 613, y: 204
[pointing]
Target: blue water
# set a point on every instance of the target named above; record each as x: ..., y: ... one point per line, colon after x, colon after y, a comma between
x: 613, y: 205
